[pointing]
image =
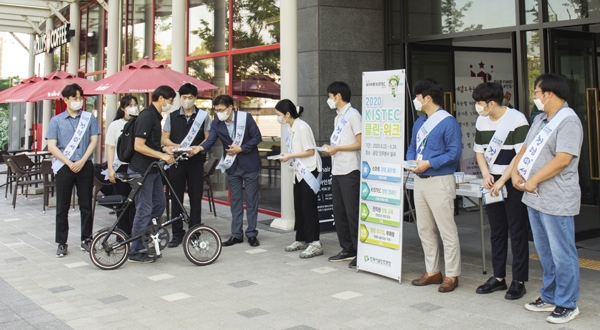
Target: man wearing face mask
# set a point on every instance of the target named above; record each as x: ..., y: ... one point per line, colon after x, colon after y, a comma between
x: 436, y: 145
x: 546, y: 170
x: 187, y: 127
x: 240, y: 136
x: 344, y: 148
x: 499, y: 135
x: 150, y: 200
x: 72, y: 137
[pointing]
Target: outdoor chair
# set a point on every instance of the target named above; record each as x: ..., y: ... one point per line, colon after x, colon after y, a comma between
x: 209, y: 170
x: 49, y: 183
x: 22, y: 178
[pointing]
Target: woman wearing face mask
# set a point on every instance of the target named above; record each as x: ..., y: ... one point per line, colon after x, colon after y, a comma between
x: 499, y: 136
x: 300, y: 142
x: 128, y: 108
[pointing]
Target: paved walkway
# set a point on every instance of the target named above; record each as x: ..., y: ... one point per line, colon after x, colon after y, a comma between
x: 250, y: 288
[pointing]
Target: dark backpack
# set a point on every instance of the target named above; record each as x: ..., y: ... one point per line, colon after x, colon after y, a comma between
x: 126, y: 141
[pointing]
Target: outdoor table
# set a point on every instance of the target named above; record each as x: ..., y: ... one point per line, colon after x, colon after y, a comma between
x: 14, y: 152
x: 38, y: 156
x: 469, y: 194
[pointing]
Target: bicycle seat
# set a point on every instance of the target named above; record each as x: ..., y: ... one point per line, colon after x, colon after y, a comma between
x: 126, y: 177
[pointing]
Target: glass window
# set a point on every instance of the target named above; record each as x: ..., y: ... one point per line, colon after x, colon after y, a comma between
x: 163, y: 17
x: 396, y: 20
x: 214, y: 71
x: 208, y: 26
x: 137, y: 34
x: 533, y: 63
x: 451, y: 16
x: 255, y: 23
x: 94, y: 44
x: 531, y: 11
x: 560, y: 10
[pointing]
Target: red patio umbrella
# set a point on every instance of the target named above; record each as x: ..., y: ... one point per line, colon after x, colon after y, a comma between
x: 207, y: 94
x: 258, y: 86
x: 5, y: 94
x: 48, y: 89
x: 143, y: 76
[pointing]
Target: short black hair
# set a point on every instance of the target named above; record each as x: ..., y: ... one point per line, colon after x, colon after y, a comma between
x: 165, y: 91
x: 71, y: 90
x: 223, y: 99
x: 340, y: 87
x: 550, y: 82
x: 125, y: 101
x: 188, y: 89
x: 287, y: 106
x: 489, y: 91
x: 432, y: 88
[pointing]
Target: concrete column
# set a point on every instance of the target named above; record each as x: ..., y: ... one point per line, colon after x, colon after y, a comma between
x: 178, y: 41
x: 289, y: 90
x: 148, y: 31
x: 220, y: 16
x: 112, y: 62
x: 29, y: 106
x: 48, y: 68
x: 74, y: 18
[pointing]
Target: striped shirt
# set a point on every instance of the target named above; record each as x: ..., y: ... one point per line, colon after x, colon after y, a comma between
x: 485, y: 130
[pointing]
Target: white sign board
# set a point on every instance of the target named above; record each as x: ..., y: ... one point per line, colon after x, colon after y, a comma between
x: 382, y: 153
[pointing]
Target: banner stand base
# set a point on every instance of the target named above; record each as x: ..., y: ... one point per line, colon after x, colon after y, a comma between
x: 283, y: 224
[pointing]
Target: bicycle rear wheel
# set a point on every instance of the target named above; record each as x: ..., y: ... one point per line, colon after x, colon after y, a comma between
x: 109, y: 259
x: 202, y: 245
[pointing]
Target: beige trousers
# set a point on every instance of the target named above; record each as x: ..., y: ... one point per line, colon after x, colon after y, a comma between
x: 434, y: 204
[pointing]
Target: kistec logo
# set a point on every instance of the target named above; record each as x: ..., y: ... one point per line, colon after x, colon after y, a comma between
x: 381, y: 262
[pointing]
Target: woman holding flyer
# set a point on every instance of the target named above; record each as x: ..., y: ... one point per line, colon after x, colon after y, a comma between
x: 300, y: 143
x: 499, y: 136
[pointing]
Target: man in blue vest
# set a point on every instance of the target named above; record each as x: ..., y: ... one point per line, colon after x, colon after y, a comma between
x: 72, y: 137
x: 240, y: 137
x: 187, y: 127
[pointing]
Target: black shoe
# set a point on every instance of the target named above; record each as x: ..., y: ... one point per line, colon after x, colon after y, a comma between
x: 491, y: 285
x: 141, y: 258
x: 352, y: 263
x: 233, y: 240
x: 343, y: 256
x: 175, y: 241
x: 516, y: 291
x: 253, y: 241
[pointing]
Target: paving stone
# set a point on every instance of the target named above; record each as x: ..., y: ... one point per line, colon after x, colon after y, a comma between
x: 160, y: 277
x: 242, y: 284
x: 61, y: 289
x: 253, y: 312
x: 346, y: 295
x: 301, y: 327
x: 113, y: 299
x: 426, y: 307
x: 18, y: 233
x: 176, y: 296
x: 15, y: 259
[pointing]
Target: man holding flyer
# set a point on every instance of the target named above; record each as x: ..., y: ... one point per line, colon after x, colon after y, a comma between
x: 500, y: 133
x: 72, y: 137
x: 240, y: 136
x: 547, y: 172
x: 435, y: 146
x: 187, y: 127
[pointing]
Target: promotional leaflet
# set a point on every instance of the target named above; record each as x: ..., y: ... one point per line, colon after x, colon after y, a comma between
x: 382, y: 155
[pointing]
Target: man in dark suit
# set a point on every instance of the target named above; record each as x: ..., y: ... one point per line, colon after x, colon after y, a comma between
x: 240, y: 137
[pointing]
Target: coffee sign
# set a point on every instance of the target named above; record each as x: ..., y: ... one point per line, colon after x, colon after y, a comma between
x: 58, y: 37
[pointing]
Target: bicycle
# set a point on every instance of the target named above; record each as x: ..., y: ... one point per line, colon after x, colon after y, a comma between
x: 110, y: 246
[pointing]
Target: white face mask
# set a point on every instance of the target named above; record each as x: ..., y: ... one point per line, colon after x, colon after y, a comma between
x: 481, y: 110
x: 132, y: 110
x: 166, y: 107
x: 76, y: 105
x: 222, y: 115
x: 418, y: 104
x: 331, y: 104
x: 280, y: 120
x: 538, y: 103
x: 187, y: 104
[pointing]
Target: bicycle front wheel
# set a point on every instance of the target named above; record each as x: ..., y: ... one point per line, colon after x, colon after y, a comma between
x: 105, y: 257
x: 202, y: 245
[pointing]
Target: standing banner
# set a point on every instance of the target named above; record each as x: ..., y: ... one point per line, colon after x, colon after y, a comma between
x: 466, y: 115
x: 382, y: 154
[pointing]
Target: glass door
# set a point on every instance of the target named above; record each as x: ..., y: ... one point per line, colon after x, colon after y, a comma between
x: 573, y: 55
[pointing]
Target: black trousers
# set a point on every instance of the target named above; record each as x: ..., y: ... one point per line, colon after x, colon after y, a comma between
x: 84, y: 181
x: 193, y: 175
x: 346, y: 192
x: 123, y: 189
x: 509, y: 217
x: 305, y: 209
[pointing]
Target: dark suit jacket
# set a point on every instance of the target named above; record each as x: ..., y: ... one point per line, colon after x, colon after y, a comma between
x: 248, y: 159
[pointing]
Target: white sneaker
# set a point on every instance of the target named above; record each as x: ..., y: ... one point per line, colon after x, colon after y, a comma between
x: 540, y: 306
x: 297, y: 245
x: 562, y: 315
x: 312, y: 250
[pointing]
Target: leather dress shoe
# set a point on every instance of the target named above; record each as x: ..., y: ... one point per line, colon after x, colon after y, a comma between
x: 491, y: 285
x: 233, y: 240
x: 516, y: 290
x: 175, y: 241
x: 448, y: 285
x: 253, y: 241
x: 343, y: 256
x: 426, y: 279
